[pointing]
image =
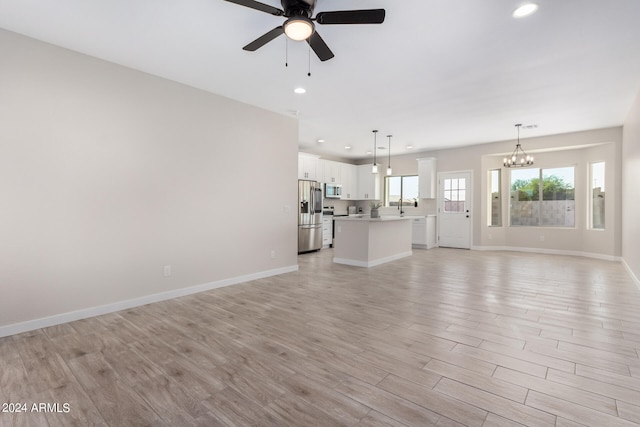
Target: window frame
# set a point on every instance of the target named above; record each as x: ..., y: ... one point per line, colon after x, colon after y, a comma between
x: 414, y: 202
x: 457, y: 199
x: 539, y: 198
x: 590, y: 199
x: 490, y: 197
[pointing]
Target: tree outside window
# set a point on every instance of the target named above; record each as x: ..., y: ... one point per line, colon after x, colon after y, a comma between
x: 543, y: 197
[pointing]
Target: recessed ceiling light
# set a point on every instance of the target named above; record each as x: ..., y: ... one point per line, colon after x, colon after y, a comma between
x: 321, y: 140
x: 300, y: 90
x: 347, y: 147
x: 525, y: 10
x: 409, y: 147
x: 369, y: 152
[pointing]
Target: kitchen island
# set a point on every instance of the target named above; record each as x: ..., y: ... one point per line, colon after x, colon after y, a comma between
x: 366, y: 242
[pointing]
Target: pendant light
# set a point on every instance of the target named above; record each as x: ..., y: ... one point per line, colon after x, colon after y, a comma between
x: 518, y: 158
x: 389, y: 171
x: 374, y: 168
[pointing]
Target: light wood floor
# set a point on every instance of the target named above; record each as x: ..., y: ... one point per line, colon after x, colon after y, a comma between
x: 445, y: 337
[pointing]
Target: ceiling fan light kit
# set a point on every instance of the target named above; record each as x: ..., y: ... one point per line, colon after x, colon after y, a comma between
x: 300, y: 24
x: 298, y: 28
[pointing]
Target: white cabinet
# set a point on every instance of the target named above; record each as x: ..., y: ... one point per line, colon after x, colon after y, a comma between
x: 332, y: 172
x: 368, y: 183
x: 349, y: 182
x: 419, y: 231
x: 327, y: 231
x: 358, y: 183
x: 427, y: 178
x: 423, y: 232
x: 320, y: 170
x: 308, y: 166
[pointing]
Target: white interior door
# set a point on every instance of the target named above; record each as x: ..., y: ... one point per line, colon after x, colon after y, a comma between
x: 454, y: 209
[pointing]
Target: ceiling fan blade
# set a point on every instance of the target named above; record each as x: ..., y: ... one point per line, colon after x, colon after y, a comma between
x: 264, y: 39
x: 320, y: 47
x: 258, y: 6
x: 370, y: 16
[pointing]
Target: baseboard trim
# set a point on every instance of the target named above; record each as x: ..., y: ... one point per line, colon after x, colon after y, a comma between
x: 71, y: 316
x: 358, y: 263
x: 631, y: 273
x: 421, y: 246
x: 547, y: 251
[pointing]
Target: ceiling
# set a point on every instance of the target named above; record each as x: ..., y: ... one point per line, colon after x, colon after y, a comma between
x: 435, y: 74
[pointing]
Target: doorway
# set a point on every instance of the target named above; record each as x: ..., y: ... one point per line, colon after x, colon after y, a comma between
x: 455, y: 194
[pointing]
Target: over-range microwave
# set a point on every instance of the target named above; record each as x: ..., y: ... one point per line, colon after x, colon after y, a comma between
x: 332, y: 191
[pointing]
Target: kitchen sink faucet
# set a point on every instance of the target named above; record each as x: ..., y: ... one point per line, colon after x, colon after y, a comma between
x: 400, y: 207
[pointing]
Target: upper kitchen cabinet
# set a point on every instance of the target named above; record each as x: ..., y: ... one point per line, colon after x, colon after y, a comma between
x: 332, y: 172
x: 349, y: 182
x: 308, y: 166
x: 427, y: 178
x: 368, y: 183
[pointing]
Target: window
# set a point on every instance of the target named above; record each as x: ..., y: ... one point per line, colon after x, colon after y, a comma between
x: 543, y: 197
x: 455, y: 195
x: 597, y: 198
x: 494, y: 217
x: 525, y: 194
x: 558, y: 197
x: 401, y: 188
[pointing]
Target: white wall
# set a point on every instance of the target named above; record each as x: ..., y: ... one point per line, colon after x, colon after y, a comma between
x: 108, y: 174
x: 579, y: 148
x: 631, y: 183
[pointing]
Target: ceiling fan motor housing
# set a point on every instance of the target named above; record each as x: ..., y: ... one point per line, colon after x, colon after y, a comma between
x: 298, y: 7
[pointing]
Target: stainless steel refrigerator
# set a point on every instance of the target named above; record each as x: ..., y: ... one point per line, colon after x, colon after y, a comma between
x: 309, y: 216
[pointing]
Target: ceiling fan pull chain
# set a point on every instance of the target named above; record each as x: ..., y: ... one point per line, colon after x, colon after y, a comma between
x: 309, y: 72
x: 286, y: 52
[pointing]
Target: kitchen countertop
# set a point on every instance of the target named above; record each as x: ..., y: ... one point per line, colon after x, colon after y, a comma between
x: 368, y: 218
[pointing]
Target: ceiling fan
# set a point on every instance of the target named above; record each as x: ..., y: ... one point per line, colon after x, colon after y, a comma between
x: 300, y: 24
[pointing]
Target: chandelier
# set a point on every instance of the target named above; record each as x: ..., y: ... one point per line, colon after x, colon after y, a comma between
x: 518, y: 158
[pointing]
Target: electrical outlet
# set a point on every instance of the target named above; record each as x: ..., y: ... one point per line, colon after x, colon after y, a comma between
x: 166, y: 271
x: 273, y: 254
